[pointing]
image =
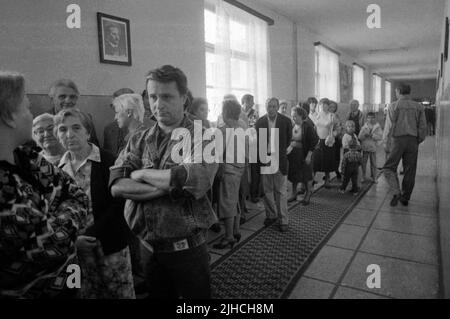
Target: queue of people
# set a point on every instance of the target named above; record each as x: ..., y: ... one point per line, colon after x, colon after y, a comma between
x: 66, y: 200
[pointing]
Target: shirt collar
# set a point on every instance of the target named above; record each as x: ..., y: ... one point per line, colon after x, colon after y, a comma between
x: 94, y: 156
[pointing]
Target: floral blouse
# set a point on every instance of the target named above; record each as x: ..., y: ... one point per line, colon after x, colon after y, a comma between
x: 41, y: 211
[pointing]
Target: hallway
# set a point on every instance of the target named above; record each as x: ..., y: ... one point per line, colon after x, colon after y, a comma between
x: 401, y: 240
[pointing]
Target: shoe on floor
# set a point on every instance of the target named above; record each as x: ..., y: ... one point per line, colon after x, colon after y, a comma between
x: 215, y: 228
x: 293, y: 198
x: 394, y: 201
x: 283, y: 228
x: 301, y: 191
x: 404, y: 201
x: 269, y: 221
x: 342, y: 191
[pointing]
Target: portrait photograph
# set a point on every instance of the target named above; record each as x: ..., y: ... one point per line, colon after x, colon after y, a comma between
x: 114, y: 39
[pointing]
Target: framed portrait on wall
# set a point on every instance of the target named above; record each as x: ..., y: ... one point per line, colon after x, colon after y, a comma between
x: 114, y: 39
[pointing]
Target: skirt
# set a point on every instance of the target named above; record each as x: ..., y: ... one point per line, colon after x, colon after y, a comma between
x: 337, y: 155
x: 298, y: 171
x: 323, y: 158
x: 230, y: 182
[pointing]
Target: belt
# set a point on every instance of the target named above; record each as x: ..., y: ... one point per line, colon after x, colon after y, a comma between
x: 178, y: 244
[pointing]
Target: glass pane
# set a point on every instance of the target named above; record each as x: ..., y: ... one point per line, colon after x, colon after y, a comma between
x: 239, y: 73
x: 238, y: 36
x: 210, y: 27
x: 215, y: 98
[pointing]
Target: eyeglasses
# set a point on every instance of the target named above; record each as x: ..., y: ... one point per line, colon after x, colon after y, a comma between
x: 41, y: 131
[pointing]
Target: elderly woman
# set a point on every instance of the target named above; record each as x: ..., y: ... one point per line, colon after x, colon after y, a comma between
x: 103, y: 248
x: 323, y: 156
x: 229, y: 176
x: 42, y: 209
x: 130, y: 111
x: 337, y: 132
x: 304, y: 140
x: 44, y: 137
x: 64, y: 94
x: 356, y: 116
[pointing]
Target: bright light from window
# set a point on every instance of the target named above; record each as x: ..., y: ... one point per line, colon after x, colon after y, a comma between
x: 358, y: 84
x: 236, y: 48
x: 376, y: 82
x: 327, y: 73
x: 388, y: 92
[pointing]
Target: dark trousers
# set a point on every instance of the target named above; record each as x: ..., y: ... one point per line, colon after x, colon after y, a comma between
x: 351, y: 173
x: 403, y: 148
x: 183, y: 274
x: 255, y: 181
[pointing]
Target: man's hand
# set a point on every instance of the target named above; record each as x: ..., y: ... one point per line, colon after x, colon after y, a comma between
x: 159, y: 178
x: 138, y: 176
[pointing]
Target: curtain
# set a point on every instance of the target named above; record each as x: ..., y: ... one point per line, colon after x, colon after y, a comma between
x: 237, y: 58
x: 376, y: 80
x: 327, y: 73
x: 358, y: 84
x: 388, y: 92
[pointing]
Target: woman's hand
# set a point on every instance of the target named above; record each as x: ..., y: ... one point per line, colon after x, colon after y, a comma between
x: 289, y: 149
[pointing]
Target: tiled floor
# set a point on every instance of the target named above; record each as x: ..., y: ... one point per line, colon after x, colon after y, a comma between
x: 402, y: 241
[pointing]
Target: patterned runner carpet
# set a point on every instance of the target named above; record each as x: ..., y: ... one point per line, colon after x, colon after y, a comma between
x: 268, y: 264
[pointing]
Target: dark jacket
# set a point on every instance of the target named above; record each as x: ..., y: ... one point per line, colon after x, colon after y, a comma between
x: 309, y: 137
x: 114, y: 138
x: 284, y: 124
x: 109, y: 222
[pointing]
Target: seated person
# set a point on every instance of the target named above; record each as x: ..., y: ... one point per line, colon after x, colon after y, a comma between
x: 42, y: 209
x: 199, y: 111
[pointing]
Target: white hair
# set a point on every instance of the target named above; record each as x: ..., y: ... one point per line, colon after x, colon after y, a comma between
x: 63, y: 83
x: 131, y: 101
x: 42, y: 117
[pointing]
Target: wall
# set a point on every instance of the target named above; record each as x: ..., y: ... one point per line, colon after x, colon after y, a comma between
x: 443, y: 166
x: 37, y: 43
x: 419, y: 88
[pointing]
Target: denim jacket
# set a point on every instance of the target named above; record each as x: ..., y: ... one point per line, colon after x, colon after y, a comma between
x: 169, y: 216
x: 405, y: 118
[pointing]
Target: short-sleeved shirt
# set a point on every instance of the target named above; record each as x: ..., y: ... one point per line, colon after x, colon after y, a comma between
x: 186, y: 209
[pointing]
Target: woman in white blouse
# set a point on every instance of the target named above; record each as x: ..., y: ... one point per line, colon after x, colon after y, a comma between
x: 323, y: 156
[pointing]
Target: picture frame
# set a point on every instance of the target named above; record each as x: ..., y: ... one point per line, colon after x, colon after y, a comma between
x: 114, y: 39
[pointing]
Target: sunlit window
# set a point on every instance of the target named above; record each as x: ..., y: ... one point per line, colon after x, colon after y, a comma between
x: 358, y: 84
x: 326, y: 73
x: 388, y: 92
x: 236, y: 55
x: 376, y: 84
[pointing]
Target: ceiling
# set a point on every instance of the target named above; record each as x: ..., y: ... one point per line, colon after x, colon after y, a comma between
x: 405, y: 47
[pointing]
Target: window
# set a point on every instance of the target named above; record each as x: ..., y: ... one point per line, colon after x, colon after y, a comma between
x: 358, y: 84
x: 236, y: 55
x: 327, y: 73
x: 387, y: 92
x: 376, y: 84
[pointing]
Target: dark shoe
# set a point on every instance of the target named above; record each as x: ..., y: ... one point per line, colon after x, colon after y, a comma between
x: 304, y: 202
x: 254, y: 200
x: 216, y: 228
x: 269, y: 221
x: 293, y: 198
x: 301, y: 191
x: 237, y: 237
x: 242, y: 220
x: 283, y: 228
x: 394, y: 201
x: 224, y: 243
x: 404, y: 201
x: 327, y: 185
